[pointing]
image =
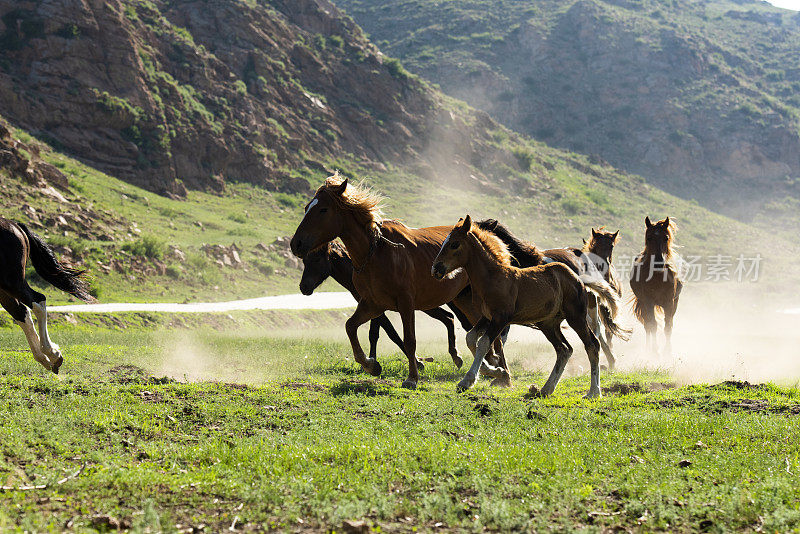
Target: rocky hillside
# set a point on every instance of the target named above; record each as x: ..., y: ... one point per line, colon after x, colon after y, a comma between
x: 700, y: 97
x: 178, y: 94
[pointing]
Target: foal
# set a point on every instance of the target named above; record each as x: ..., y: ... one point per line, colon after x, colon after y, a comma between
x: 333, y: 260
x: 543, y: 296
x: 17, y: 245
x: 655, y: 281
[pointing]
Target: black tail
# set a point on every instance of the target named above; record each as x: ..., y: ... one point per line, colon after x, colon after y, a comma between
x: 65, y: 278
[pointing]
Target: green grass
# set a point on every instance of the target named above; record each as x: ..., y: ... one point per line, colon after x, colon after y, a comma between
x: 310, y: 442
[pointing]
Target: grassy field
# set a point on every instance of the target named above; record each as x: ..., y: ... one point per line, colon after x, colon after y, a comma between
x: 249, y: 428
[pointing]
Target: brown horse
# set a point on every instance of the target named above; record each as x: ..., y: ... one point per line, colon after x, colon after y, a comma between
x: 600, y: 250
x: 655, y: 282
x: 543, y: 296
x: 391, y: 262
x: 332, y: 260
x: 17, y: 245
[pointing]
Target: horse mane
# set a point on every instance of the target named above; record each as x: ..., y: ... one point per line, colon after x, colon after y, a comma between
x: 665, y: 247
x: 524, y: 252
x: 365, y: 204
x: 493, y: 245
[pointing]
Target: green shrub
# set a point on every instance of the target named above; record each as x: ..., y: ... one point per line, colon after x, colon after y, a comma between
x: 147, y: 246
x: 525, y: 157
x: 241, y: 87
x: 173, y: 272
x: 237, y: 217
x: 571, y: 206
x: 396, y: 68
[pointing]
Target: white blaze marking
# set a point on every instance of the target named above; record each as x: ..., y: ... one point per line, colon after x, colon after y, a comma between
x: 311, y: 204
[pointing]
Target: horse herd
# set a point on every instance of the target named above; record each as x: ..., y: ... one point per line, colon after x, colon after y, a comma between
x: 488, y: 278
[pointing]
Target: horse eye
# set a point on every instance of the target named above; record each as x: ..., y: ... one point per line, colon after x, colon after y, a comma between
x: 455, y: 245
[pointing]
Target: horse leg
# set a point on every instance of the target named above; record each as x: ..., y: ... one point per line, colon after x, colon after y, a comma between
x: 648, y: 317
x: 596, y: 324
x: 563, y: 352
x: 505, y: 379
x: 485, y: 336
x: 592, y: 346
x: 446, y: 318
x: 669, y: 315
x: 388, y: 327
x: 410, y: 339
x: 22, y: 316
x: 364, y: 312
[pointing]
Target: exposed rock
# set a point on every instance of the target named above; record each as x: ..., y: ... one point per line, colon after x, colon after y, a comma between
x: 223, y: 256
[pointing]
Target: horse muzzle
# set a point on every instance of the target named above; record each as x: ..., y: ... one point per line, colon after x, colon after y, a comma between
x: 306, y: 289
x: 438, y: 270
x: 299, y: 247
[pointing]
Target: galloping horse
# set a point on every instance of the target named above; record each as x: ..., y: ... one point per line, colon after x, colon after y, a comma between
x: 543, y: 296
x: 655, y: 282
x: 334, y: 261
x: 600, y: 250
x: 17, y: 244
x: 391, y: 262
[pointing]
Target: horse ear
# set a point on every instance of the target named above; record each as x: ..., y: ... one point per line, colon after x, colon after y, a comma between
x: 467, y: 223
x: 647, y: 222
x: 339, y: 189
x: 666, y: 221
x: 584, y: 240
x: 594, y: 234
x: 616, y: 236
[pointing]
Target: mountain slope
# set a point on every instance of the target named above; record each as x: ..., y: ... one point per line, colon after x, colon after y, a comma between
x: 702, y: 98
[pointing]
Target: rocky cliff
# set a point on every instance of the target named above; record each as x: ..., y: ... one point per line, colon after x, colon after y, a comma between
x: 183, y: 94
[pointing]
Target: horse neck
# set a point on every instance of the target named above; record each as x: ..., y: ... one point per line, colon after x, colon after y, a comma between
x: 481, y: 267
x: 356, y: 240
x: 342, y: 270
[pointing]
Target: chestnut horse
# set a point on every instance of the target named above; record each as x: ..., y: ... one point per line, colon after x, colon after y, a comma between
x: 332, y: 260
x: 391, y: 262
x: 655, y: 281
x: 543, y: 296
x: 17, y: 245
x: 600, y: 250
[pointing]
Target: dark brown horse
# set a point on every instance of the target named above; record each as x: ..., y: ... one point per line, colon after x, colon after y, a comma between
x: 655, y: 282
x: 391, y: 262
x: 543, y: 296
x: 600, y: 250
x: 17, y: 245
x: 332, y: 260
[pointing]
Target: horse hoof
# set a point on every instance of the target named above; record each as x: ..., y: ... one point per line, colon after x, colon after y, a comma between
x: 463, y: 386
x: 501, y: 382
x: 457, y: 360
x: 373, y: 367
x: 593, y: 394
x: 409, y: 384
x: 56, y: 366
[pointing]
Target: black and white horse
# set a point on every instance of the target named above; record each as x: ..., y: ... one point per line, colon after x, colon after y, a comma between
x: 17, y: 245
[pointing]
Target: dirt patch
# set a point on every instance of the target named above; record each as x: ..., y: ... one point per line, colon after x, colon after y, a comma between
x: 370, y: 388
x: 303, y: 385
x: 741, y: 385
x: 623, y: 388
x: 132, y: 374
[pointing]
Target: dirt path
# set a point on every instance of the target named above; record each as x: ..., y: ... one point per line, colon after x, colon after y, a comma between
x: 317, y: 301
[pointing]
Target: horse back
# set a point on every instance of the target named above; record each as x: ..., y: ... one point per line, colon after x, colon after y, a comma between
x: 568, y: 256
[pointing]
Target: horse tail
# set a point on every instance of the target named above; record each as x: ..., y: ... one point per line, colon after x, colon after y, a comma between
x: 609, y: 305
x: 63, y: 277
x: 638, y: 310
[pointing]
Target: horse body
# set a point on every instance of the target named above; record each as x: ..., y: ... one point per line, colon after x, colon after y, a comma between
x: 391, y: 262
x: 17, y: 245
x: 334, y: 261
x: 543, y: 295
x: 655, y: 282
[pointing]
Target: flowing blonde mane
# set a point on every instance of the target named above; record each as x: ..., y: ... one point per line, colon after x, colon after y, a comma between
x: 365, y: 204
x: 493, y: 245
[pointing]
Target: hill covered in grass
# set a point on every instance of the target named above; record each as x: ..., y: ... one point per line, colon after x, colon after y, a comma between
x: 146, y: 235
x: 700, y: 97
